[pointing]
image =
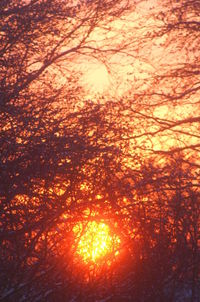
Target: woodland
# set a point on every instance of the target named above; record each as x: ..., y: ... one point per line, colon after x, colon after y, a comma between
x: 123, y: 162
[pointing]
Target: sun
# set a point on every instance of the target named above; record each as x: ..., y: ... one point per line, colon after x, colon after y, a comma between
x: 97, y: 78
x: 95, y: 242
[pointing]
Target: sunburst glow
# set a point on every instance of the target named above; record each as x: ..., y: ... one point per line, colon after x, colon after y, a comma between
x: 96, y: 242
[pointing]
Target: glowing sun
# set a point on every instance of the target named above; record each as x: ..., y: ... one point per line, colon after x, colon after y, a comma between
x: 96, y: 242
x: 97, y: 78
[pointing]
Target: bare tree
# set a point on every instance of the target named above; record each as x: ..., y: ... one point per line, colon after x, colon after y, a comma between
x: 49, y: 139
x: 133, y: 161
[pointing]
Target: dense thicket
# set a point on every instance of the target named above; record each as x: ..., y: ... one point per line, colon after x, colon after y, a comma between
x: 132, y: 160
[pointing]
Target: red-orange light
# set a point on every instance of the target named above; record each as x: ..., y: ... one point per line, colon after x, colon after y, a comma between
x: 95, y: 242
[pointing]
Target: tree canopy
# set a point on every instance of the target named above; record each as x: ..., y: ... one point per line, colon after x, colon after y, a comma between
x: 125, y: 162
